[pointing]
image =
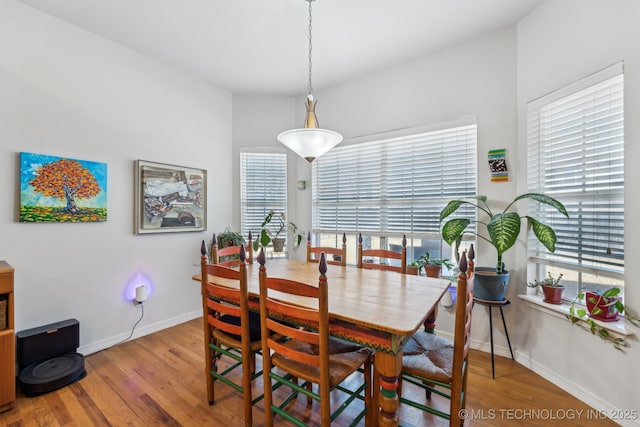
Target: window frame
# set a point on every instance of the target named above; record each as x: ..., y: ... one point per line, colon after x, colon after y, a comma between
x: 279, y: 203
x: 384, y: 236
x: 581, y: 276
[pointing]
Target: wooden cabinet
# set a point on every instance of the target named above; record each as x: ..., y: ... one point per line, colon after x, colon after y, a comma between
x: 7, y: 340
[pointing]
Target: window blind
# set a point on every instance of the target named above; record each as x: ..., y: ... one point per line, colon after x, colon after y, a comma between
x: 263, y: 187
x: 394, y: 186
x: 576, y: 154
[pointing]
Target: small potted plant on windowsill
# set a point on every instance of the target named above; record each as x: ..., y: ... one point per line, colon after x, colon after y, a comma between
x: 532, y: 288
x: 551, y: 288
x: 224, y: 239
x: 229, y: 238
x: 606, y: 306
x: 272, y: 227
x: 432, y: 266
x: 585, y: 317
x: 413, y: 268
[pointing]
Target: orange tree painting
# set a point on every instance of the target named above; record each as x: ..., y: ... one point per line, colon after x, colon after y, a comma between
x: 55, y: 189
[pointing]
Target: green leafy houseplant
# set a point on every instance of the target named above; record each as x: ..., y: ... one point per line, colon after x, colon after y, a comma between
x: 229, y: 238
x: 550, y: 281
x: 226, y: 238
x: 551, y: 288
x: 272, y: 226
x: 502, y: 231
x: 502, y: 228
x: 427, y: 260
x: 610, y: 301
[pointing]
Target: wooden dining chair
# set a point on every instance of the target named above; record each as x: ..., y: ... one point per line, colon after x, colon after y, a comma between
x: 430, y: 322
x: 230, y: 330
x: 299, y: 311
x: 229, y: 255
x: 338, y: 256
x: 438, y: 365
x: 378, y: 259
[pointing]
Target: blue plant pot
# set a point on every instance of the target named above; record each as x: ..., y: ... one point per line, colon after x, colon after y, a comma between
x: 488, y: 285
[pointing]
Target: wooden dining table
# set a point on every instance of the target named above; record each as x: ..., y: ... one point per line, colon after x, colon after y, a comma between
x: 377, y: 309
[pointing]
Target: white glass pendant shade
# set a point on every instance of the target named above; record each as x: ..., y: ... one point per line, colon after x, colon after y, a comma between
x: 310, y: 143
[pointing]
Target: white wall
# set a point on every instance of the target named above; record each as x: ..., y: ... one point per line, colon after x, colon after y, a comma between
x: 69, y: 93
x: 559, y: 43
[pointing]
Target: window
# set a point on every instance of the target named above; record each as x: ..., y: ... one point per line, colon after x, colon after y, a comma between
x: 576, y: 154
x: 263, y: 187
x: 394, y: 185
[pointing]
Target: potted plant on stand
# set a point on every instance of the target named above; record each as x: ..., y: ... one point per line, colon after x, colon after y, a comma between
x: 551, y: 288
x: 502, y: 230
x: 272, y: 227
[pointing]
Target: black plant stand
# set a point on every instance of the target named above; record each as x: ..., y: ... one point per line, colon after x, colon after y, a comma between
x: 498, y: 304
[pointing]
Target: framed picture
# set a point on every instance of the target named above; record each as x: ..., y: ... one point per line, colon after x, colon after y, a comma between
x: 169, y: 198
x: 61, y: 189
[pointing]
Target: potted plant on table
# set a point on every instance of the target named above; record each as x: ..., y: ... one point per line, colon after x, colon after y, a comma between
x: 502, y: 230
x: 551, y: 288
x: 273, y: 225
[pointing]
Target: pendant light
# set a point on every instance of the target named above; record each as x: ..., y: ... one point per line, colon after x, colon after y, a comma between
x: 310, y: 142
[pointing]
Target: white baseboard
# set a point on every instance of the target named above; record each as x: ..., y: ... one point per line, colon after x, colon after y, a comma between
x: 145, y: 330
x: 601, y: 407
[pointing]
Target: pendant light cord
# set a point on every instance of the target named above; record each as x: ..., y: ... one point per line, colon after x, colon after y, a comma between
x: 310, y: 87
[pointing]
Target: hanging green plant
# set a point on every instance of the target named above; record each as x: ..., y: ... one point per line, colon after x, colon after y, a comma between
x: 608, y: 300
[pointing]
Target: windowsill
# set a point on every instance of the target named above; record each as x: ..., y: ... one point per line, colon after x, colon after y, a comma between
x: 618, y: 327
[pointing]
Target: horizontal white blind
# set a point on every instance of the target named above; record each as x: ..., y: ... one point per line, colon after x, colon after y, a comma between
x: 263, y: 187
x: 576, y: 154
x: 394, y: 186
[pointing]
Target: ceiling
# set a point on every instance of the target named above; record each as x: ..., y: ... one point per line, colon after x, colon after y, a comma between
x: 261, y: 46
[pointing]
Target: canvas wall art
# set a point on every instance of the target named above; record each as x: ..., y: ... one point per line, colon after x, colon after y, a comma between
x: 61, y: 189
x: 169, y: 198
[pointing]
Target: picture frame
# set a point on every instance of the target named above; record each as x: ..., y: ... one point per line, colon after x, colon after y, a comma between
x: 169, y: 198
x: 62, y: 189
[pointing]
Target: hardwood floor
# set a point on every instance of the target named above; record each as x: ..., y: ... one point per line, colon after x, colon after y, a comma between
x: 159, y: 380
